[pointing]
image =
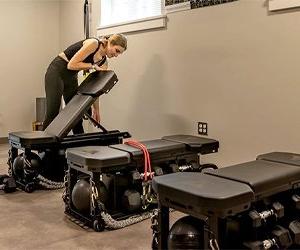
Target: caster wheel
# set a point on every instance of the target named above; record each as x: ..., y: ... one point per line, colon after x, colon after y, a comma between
x: 29, y: 188
x: 98, y: 226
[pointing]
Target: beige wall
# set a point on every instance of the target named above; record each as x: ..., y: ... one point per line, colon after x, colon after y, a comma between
x: 71, y: 25
x: 234, y: 66
x: 29, y: 39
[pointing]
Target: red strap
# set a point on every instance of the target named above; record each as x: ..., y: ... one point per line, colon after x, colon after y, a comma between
x: 147, y: 163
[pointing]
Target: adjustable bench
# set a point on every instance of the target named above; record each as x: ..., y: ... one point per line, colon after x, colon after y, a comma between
x: 249, y: 205
x: 51, y: 143
x: 115, y: 179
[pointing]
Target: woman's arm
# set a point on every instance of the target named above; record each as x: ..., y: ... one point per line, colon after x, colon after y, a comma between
x: 104, y: 66
x: 96, y: 110
x: 76, y: 62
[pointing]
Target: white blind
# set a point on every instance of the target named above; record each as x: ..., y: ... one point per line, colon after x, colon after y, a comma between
x: 120, y: 11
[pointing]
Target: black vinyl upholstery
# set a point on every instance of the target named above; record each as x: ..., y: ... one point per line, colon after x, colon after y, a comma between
x: 69, y: 116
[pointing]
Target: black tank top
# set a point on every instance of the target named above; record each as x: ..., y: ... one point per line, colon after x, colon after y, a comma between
x: 72, y: 49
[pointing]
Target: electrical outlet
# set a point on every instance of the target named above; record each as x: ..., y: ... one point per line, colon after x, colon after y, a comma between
x: 202, y: 128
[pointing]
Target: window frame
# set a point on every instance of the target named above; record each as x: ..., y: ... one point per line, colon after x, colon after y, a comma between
x: 142, y: 24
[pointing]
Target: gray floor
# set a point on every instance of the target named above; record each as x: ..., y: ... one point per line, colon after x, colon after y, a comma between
x: 37, y: 221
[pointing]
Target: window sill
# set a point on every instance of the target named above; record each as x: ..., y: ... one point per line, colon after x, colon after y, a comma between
x: 275, y: 5
x: 137, y: 25
x: 178, y: 7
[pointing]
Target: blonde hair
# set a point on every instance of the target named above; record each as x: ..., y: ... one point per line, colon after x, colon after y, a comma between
x: 116, y: 39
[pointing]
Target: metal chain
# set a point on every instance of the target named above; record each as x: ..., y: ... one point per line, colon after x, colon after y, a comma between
x: 107, y: 218
x: 154, y: 227
x: 28, y: 164
x: 117, y: 224
x: 43, y: 181
x: 9, y: 163
x: 66, y: 194
x: 94, y: 197
x: 146, y: 195
x: 214, y: 244
x: 46, y: 183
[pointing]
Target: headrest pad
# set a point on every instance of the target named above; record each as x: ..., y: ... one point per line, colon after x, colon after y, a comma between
x: 98, y: 83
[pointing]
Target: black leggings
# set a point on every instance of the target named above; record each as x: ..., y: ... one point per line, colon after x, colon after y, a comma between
x: 59, y: 81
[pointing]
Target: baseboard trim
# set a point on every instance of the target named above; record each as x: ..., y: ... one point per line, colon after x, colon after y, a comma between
x: 3, y: 140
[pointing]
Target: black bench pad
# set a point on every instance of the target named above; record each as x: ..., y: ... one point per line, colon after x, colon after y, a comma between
x: 264, y: 177
x: 194, y: 143
x: 282, y: 157
x: 98, y: 83
x: 198, y: 193
x: 156, y: 148
x: 69, y: 116
x: 31, y: 138
x: 97, y: 158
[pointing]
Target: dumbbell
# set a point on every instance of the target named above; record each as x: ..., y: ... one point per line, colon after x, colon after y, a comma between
x: 131, y: 200
x: 281, y: 239
x: 196, y: 167
x: 258, y: 245
x: 190, y: 167
x: 158, y: 171
x: 7, y: 184
x: 277, y: 210
x: 135, y: 175
x: 296, y: 201
x: 294, y: 228
x: 174, y: 168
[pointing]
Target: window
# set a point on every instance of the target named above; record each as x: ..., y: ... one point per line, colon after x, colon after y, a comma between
x: 130, y: 15
x: 283, y: 4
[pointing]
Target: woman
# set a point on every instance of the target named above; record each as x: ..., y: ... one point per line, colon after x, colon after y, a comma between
x: 61, y: 78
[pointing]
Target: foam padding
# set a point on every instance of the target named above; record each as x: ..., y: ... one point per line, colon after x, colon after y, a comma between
x: 98, y: 83
x: 31, y: 138
x: 282, y: 157
x: 69, y: 116
x: 97, y: 158
x: 199, y: 193
x: 264, y: 177
x: 195, y: 143
x: 156, y: 148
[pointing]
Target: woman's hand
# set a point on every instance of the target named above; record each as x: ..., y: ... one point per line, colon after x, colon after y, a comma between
x: 95, y: 110
x: 96, y: 115
x: 102, y: 67
x: 96, y: 67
